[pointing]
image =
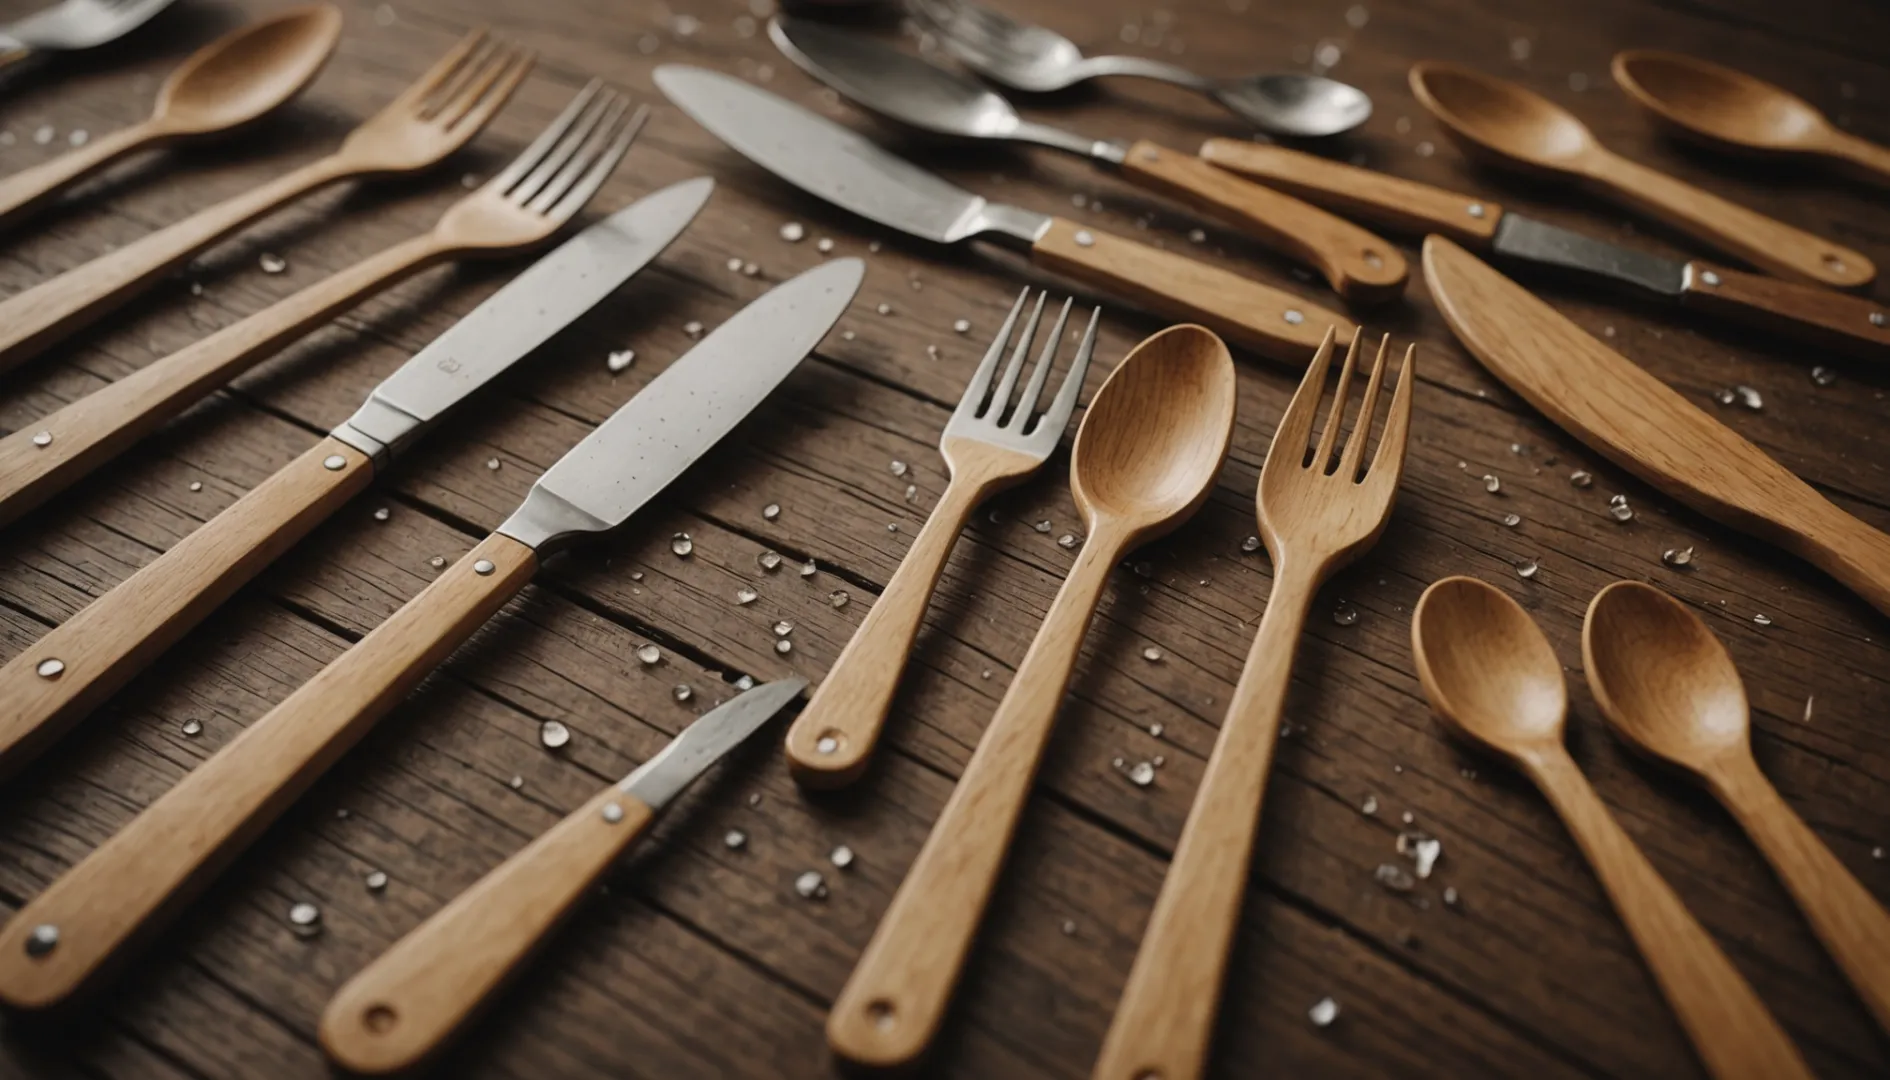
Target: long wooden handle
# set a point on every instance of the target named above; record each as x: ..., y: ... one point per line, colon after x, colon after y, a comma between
x: 32, y: 320
x: 141, y: 877
x: 1853, y: 324
x: 1165, y: 1021
x: 1861, y: 157
x: 1746, y: 234
x: 28, y: 188
x: 1835, y: 541
x: 1359, y: 266
x: 893, y: 1002
x: 114, y: 637
x: 402, y: 1007
x: 1270, y: 322
x: 1388, y: 201
x: 1729, y: 1026
x: 1854, y: 928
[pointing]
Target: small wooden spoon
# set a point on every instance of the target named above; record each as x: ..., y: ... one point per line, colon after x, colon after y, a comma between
x: 236, y: 79
x: 1144, y: 461
x: 1730, y: 110
x: 1501, y: 123
x: 1668, y: 687
x: 1492, y: 677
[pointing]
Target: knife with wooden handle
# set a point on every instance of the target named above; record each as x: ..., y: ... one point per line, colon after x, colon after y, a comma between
x: 1642, y: 425
x: 1818, y: 316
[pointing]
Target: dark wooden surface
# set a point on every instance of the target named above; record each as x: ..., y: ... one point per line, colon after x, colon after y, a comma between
x: 701, y: 961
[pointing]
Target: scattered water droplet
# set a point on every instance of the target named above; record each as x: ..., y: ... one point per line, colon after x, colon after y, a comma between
x: 808, y: 569
x: 1345, y: 614
x: 437, y: 561
x: 42, y: 438
x: 1251, y: 544
x: 746, y: 682
x: 1197, y: 236
x: 824, y: 245
x: 793, y: 232
x: 1677, y: 556
x: 553, y: 734
x: 620, y: 359
x: 769, y: 560
x: 841, y: 856
x: 1323, y: 1012
x: 196, y: 485
x: 838, y: 598
x: 1749, y: 397
x: 376, y: 880
x: 811, y: 885
x: 1527, y: 569
x: 1394, y: 878
x: 962, y: 326
x: 43, y: 939
x: 783, y: 628
x: 784, y: 646
x: 1809, y: 702
x: 1155, y: 730
x: 517, y: 783
x: 1491, y: 484
x: 1068, y: 928
x: 1762, y: 619
x: 193, y: 726
x: 1450, y: 895
x: 1581, y: 478
x: 745, y: 595
x: 272, y: 263
x: 43, y: 134
x: 682, y: 692
x: 681, y: 545
x: 1422, y: 850
x: 1370, y: 806
x: 1621, y: 511
x: 1141, y: 774
x: 1823, y: 376
x: 771, y: 511
x: 649, y: 654
x: 382, y: 513
x: 693, y: 328
x: 898, y: 467
x: 305, y: 918
x: 734, y: 839
x: 1152, y: 654
x: 884, y: 309
x: 1067, y: 541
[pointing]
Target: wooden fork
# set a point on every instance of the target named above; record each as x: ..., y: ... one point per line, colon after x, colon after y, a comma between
x: 1315, y: 518
x: 435, y: 116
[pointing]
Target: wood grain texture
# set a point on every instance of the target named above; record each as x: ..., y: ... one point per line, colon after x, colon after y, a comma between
x: 1852, y: 325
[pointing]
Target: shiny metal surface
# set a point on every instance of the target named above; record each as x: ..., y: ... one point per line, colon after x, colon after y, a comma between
x: 706, y: 741
x: 1518, y: 237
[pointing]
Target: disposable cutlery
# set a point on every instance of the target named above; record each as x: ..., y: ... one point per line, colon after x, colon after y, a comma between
x: 834, y: 163
x: 1501, y: 123
x: 1667, y: 687
x: 232, y: 81
x: 1492, y: 678
x: 1358, y: 265
x: 1145, y: 458
x: 74, y: 25
x: 56, y: 680
x: 990, y: 443
x: 1033, y: 58
x: 1825, y: 317
x: 435, y: 116
x: 522, y: 206
x: 1640, y: 424
x: 1316, y: 515
x: 150, y: 869
x: 402, y: 1007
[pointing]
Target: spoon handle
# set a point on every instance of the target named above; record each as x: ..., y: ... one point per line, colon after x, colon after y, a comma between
x: 1762, y: 241
x: 1861, y: 156
x: 1730, y: 1028
x: 1854, y: 928
x: 1141, y: 67
x: 892, y: 1004
x: 28, y: 188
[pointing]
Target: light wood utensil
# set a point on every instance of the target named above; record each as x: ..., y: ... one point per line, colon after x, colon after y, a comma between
x: 435, y: 116
x: 1730, y: 110
x: 1315, y: 516
x: 986, y: 450
x: 234, y: 80
x: 1145, y: 459
x: 1492, y: 678
x: 1499, y: 122
x: 1668, y: 687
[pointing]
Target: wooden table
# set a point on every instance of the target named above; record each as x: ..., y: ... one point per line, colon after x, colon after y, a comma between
x: 699, y: 959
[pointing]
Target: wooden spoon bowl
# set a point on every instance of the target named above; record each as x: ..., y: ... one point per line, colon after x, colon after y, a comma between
x: 1717, y: 105
x: 1487, y: 668
x: 1661, y: 678
x: 245, y: 75
x: 1496, y: 120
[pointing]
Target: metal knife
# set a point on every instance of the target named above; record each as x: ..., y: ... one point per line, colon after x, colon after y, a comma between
x: 1817, y: 316
x: 403, y: 1007
x: 58, y: 679
x: 838, y: 165
x: 60, y: 942
x: 1640, y: 424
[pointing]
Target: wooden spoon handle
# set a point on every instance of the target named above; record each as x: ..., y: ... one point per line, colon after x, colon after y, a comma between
x: 403, y: 1006
x: 49, y: 311
x: 1861, y: 156
x: 1270, y: 322
x: 1746, y: 234
x: 1729, y: 1026
x: 145, y: 873
x: 1165, y: 1020
x: 892, y: 1004
x: 28, y: 188
x: 1854, y: 928
x: 115, y: 636
x: 1853, y: 324
x: 1359, y: 266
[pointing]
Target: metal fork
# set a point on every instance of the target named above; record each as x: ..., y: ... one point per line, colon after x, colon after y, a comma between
x: 436, y: 115
x: 1316, y: 514
x: 75, y: 24
x: 990, y: 443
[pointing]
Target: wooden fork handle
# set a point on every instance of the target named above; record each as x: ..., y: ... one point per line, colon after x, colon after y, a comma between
x: 403, y: 1007
x: 1359, y: 266
x: 1389, y: 201
x: 28, y: 188
x: 115, y: 636
x: 1734, y: 1034
x: 892, y: 1004
x: 145, y: 873
x: 1853, y: 324
x: 1165, y: 1021
x: 1270, y: 322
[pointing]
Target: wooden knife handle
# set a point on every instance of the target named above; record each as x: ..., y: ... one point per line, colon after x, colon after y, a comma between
x: 115, y: 636
x: 146, y: 872
x: 1359, y: 266
x: 402, y: 1007
x: 1272, y: 323
x: 28, y: 188
x: 1388, y: 201
x: 1855, y: 325
x: 1835, y: 541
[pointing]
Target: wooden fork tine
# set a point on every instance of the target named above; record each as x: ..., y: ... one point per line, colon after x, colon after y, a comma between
x: 422, y: 88
x: 600, y: 171
x: 1354, y: 452
x: 582, y: 156
x: 1388, y: 463
x: 1335, y: 419
x: 469, y: 72
x: 1295, y: 430
x: 478, y: 94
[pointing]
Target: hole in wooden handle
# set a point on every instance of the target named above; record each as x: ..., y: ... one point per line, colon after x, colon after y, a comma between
x: 881, y: 1013
x: 380, y: 1018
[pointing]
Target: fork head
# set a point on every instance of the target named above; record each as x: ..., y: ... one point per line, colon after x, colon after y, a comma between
x: 440, y: 111
x: 989, y: 417
x: 1324, y: 504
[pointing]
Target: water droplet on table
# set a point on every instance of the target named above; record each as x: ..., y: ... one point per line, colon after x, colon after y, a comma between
x: 771, y: 511
x: 305, y: 918
x: 1762, y: 619
x: 745, y: 595
x: 620, y: 359
x: 693, y: 328
x: 1370, y: 806
x: 1250, y: 545
x: 811, y: 885
x: 808, y: 569
x: 769, y: 561
x: 1823, y: 376
x: 1152, y: 654
x: 682, y: 545
x: 649, y: 654
x: 793, y: 232
x: 1512, y: 519
x: 1527, y: 569
x: 553, y: 734
x: 1323, y: 1012
x: 682, y: 692
x: 1394, y: 878
x: 272, y: 263
x: 1581, y: 478
x: 841, y: 856
x: 1491, y: 484
x: 1677, y: 556
x: 376, y: 880
x: 192, y: 726
x: 898, y: 467
x: 1345, y: 614
x: 838, y: 599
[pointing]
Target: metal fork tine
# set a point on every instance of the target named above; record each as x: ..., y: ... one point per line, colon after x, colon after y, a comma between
x: 529, y: 157
x: 1027, y: 403
x: 576, y: 165
x: 1018, y: 351
x: 421, y: 89
x: 575, y: 199
x: 494, y: 97
x: 1336, y: 418
x: 453, y: 110
x: 1295, y: 429
x: 1388, y: 464
x: 981, y: 379
x: 1354, y: 453
x: 529, y: 187
x: 1057, y: 416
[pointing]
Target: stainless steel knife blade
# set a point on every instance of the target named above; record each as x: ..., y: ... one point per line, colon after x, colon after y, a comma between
x: 653, y: 437
x: 548, y: 296
x: 1524, y: 238
x: 706, y: 741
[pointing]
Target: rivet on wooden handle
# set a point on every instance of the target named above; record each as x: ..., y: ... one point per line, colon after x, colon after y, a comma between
x: 1855, y: 325
x: 403, y: 1007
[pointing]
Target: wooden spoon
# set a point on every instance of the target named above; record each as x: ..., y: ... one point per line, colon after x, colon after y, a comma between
x: 236, y: 79
x: 1502, y: 123
x: 1730, y: 110
x: 1492, y: 677
x: 1668, y: 687
x: 1144, y: 461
